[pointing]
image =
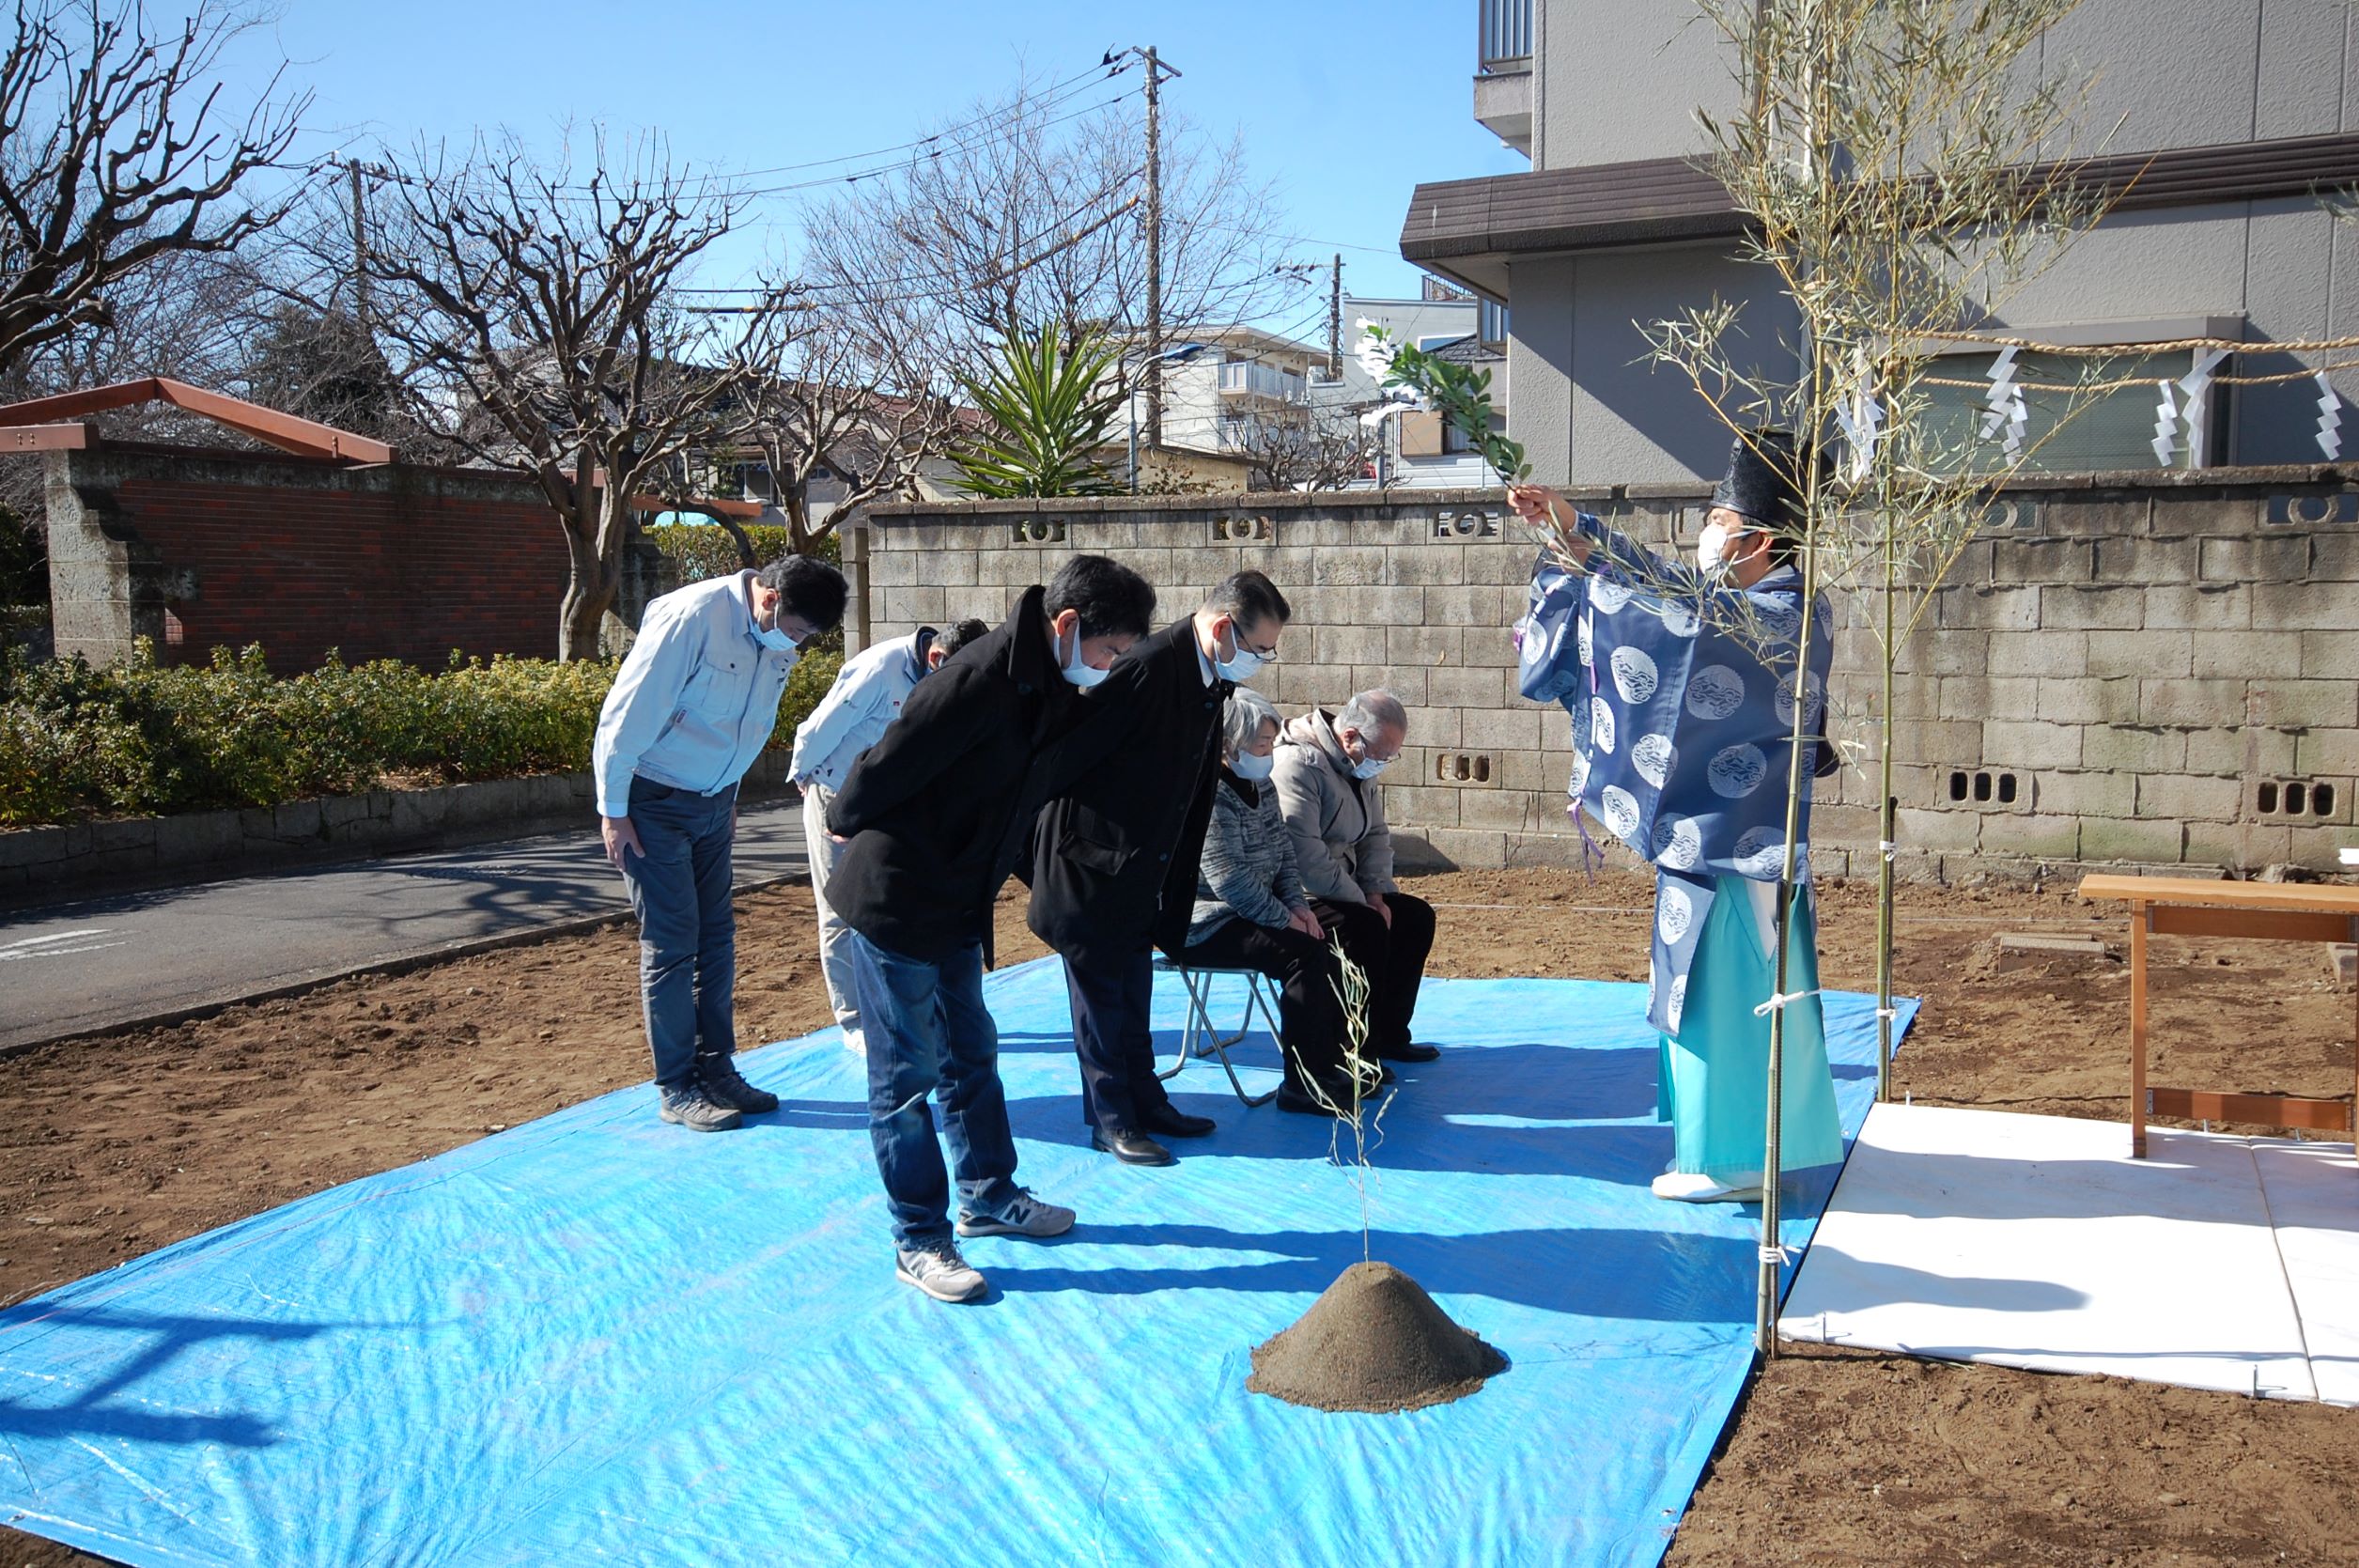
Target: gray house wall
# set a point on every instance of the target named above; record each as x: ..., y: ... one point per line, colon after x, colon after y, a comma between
x: 1588, y: 408
x: 2144, y: 665
x: 1629, y: 75
x: 1618, y: 80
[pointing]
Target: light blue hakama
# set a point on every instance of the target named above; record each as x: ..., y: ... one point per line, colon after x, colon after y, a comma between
x: 1713, y: 1079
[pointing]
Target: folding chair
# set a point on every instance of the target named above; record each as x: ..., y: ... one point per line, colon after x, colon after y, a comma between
x: 1202, y: 1037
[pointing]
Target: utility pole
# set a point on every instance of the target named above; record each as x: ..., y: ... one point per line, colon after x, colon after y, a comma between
x: 360, y: 251
x: 1335, y: 322
x: 1155, y: 248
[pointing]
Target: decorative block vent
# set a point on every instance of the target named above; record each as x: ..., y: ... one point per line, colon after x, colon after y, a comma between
x: 1465, y: 768
x: 1038, y: 531
x: 1471, y: 523
x: 1983, y: 786
x: 1227, y: 530
x: 2296, y: 799
x: 2294, y: 511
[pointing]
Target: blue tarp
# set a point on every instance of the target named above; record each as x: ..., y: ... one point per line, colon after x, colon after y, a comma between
x: 600, y: 1338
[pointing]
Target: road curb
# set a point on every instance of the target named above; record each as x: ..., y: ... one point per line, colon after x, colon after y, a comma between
x: 402, y: 964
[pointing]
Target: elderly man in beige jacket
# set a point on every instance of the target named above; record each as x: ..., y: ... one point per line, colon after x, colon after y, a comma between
x: 1325, y: 774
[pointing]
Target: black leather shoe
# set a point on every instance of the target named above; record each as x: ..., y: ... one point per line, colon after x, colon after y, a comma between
x: 1407, y: 1052
x: 1300, y: 1102
x: 1132, y: 1148
x: 1172, y: 1122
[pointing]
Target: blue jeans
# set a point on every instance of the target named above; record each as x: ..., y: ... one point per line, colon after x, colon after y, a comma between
x: 688, y: 928
x: 926, y: 1026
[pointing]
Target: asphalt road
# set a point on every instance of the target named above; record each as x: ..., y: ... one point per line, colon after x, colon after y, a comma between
x: 70, y: 969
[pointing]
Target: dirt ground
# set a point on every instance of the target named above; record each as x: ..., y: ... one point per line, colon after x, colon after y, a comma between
x: 118, y: 1145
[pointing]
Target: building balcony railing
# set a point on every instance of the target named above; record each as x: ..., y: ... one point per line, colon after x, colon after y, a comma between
x: 1504, y: 35
x: 1252, y: 379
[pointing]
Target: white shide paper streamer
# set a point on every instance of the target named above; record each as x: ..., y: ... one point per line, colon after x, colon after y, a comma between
x: 2166, y: 425
x: 2005, y: 405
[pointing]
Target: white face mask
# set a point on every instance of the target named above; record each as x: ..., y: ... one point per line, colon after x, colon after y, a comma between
x: 1368, y: 767
x: 1070, y: 666
x: 1240, y: 665
x: 1248, y: 766
x: 1712, y: 550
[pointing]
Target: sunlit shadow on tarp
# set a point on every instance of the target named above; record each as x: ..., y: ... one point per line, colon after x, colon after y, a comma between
x: 600, y: 1337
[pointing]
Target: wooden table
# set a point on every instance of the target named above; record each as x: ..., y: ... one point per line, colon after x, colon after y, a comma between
x: 2266, y: 912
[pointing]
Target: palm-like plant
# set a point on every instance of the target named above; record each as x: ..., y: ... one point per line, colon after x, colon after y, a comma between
x: 1050, y: 405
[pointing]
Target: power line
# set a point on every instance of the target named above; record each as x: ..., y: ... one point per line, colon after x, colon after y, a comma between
x: 961, y: 137
x: 942, y: 275
x: 1011, y: 270
x: 1106, y: 70
x: 1393, y: 251
x: 915, y: 162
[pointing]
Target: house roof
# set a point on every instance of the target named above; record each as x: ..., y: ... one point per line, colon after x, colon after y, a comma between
x: 1467, y: 230
x: 1468, y: 349
x: 39, y: 422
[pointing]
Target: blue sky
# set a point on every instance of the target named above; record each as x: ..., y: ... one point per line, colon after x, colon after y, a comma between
x: 1343, y: 104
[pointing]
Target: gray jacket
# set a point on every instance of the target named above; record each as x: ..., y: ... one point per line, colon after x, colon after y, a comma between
x: 1248, y: 864
x: 1342, y: 845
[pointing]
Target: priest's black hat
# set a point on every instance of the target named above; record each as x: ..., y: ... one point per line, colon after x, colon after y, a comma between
x: 1764, y: 479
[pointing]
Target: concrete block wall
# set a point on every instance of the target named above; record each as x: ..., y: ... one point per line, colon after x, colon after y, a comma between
x: 2129, y: 670
x: 2120, y: 672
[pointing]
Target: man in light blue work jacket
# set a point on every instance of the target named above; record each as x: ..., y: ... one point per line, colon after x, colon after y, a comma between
x: 867, y: 696
x: 690, y: 709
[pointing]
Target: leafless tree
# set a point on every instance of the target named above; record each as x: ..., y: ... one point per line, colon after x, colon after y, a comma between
x: 117, y: 153
x: 1028, y: 217
x: 854, y: 387
x: 186, y: 313
x: 538, y: 316
x: 1326, y: 449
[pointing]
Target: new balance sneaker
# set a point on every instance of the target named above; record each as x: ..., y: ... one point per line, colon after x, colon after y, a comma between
x: 718, y: 1074
x: 694, y: 1109
x: 939, y: 1272
x: 1022, y: 1215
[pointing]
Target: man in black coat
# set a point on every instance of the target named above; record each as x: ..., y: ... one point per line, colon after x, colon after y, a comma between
x: 1115, y: 857
x: 935, y: 816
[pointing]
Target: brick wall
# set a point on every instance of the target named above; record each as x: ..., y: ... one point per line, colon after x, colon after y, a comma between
x: 203, y: 550
x: 2121, y: 671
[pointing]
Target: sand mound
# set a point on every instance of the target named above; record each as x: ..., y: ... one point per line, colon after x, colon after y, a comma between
x: 1374, y: 1340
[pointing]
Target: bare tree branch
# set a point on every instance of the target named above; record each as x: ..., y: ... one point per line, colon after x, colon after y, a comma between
x: 539, y: 314
x: 115, y: 154
x: 948, y: 236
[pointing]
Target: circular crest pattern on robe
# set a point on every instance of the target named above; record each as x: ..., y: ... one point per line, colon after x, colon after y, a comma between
x: 1683, y: 709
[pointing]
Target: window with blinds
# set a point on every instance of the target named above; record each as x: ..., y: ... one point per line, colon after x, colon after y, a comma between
x: 2114, y: 432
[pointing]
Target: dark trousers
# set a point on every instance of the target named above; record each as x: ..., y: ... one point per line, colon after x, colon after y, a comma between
x: 1113, y: 1038
x: 1393, y: 957
x: 688, y: 928
x: 1309, y: 1013
x: 927, y: 1030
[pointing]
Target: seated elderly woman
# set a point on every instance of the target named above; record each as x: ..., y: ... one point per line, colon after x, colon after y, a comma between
x: 1252, y: 912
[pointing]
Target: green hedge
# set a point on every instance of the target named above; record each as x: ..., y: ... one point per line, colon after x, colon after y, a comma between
x: 705, y: 550
x: 143, y: 739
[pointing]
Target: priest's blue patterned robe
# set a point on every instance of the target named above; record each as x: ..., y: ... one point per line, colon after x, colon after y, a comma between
x: 1682, y: 698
